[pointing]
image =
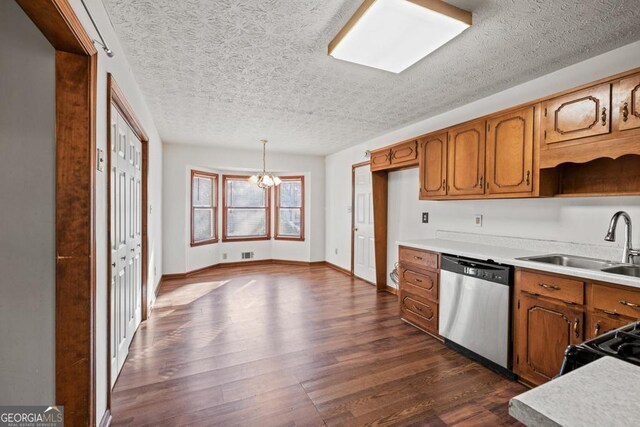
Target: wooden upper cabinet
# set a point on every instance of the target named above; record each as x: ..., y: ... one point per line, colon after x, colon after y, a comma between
x: 405, y: 154
x: 628, y: 100
x: 577, y: 115
x: 545, y: 330
x: 380, y: 159
x: 433, y: 166
x: 510, y: 152
x: 466, y: 153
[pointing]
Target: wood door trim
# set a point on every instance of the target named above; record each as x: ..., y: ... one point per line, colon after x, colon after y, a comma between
x: 353, y: 207
x: 116, y: 97
x: 75, y: 306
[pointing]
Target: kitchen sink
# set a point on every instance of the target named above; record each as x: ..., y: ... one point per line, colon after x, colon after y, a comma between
x: 626, y: 270
x: 573, y: 261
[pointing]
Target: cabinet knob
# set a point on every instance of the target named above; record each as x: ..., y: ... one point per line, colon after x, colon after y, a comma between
x: 576, y: 323
x: 528, y: 177
x: 604, y: 116
x: 625, y: 111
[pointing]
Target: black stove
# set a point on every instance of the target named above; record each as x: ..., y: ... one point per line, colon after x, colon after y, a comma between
x: 622, y: 343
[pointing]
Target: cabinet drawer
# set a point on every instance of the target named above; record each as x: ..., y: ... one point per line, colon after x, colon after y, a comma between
x: 419, y: 258
x: 616, y: 300
x: 426, y: 282
x: 380, y: 159
x: 405, y: 154
x: 560, y: 288
x: 423, y: 314
x: 599, y: 323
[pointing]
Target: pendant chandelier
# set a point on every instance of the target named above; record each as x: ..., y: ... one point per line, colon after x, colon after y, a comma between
x: 264, y: 179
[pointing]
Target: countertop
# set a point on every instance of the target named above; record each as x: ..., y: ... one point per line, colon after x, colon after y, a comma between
x: 509, y: 256
x: 602, y: 393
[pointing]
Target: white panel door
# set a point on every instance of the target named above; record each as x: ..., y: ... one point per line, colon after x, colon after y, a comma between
x: 363, y: 248
x: 126, y: 215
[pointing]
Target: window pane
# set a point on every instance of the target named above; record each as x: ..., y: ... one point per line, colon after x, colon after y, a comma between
x: 202, y: 191
x: 289, y: 222
x: 241, y: 194
x: 202, y: 224
x: 290, y: 194
x: 246, y: 222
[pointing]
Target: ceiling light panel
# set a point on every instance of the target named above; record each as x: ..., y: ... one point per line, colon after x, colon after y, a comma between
x: 392, y: 35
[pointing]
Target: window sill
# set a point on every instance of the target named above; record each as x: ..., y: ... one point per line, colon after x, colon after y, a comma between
x: 204, y: 242
x: 245, y: 239
x: 290, y: 239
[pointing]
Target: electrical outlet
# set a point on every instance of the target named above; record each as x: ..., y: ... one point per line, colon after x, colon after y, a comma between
x: 224, y: 255
x: 425, y: 217
x: 336, y: 251
x: 478, y: 220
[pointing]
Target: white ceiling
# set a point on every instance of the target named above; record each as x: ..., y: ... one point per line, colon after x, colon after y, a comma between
x: 231, y: 72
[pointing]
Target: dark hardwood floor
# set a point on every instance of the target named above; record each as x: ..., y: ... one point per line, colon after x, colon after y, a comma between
x: 295, y: 345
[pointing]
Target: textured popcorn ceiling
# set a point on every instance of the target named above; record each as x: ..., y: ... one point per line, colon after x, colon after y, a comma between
x: 230, y: 72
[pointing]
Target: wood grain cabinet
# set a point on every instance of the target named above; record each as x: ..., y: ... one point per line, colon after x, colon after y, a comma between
x: 628, y: 102
x: 433, y: 165
x: 405, y: 154
x: 510, y: 153
x: 418, y: 274
x: 545, y: 330
x: 466, y: 156
x: 380, y: 159
x: 580, y: 114
x: 397, y: 156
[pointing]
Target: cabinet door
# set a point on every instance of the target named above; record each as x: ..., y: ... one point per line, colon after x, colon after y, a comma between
x: 466, y: 147
x: 578, y: 115
x: 405, y: 154
x: 544, y: 330
x: 629, y: 102
x: 510, y: 152
x: 433, y: 166
x: 380, y: 159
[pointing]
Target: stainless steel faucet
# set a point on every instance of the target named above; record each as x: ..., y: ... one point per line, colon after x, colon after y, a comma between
x: 627, y: 252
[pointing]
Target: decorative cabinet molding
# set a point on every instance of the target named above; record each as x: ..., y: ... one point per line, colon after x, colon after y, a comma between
x: 433, y: 166
x: 466, y: 153
x: 628, y: 102
x: 397, y: 156
x: 577, y: 115
x: 380, y: 159
x: 510, y: 152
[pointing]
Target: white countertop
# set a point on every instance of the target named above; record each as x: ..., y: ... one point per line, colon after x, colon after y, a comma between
x: 509, y: 256
x: 602, y: 393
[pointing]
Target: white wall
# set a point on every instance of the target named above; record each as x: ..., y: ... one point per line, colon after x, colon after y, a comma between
x: 179, y: 160
x: 27, y: 211
x: 579, y: 220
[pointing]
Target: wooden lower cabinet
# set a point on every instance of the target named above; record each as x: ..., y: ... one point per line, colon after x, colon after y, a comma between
x: 419, y: 274
x: 598, y: 323
x: 544, y: 330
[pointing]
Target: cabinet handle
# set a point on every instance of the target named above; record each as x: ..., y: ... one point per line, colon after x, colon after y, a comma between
x: 629, y: 304
x: 419, y: 280
x: 604, y: 116
x: 625, y: 111
x: 597, y: 329
x: 576, y: 323
x: 550, y: 287
x: 417, y: 257
x: 481, y: 181
x: 528, y: 177
x: 610, y: 313
x: 444, y: 184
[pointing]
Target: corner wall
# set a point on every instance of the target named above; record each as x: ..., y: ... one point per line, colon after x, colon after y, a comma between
x: 578, y: 220
x: 27, y: 211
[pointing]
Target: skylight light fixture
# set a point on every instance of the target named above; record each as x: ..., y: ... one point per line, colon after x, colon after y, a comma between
x: 392, y: 35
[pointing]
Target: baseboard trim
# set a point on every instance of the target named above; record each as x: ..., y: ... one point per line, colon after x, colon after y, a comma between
x: 176, y: 276
x: 391, y: 290
x: 106, y: 418
x: 338, y: 268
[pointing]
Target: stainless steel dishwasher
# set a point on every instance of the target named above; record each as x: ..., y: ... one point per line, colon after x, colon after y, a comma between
x: 475, y: 302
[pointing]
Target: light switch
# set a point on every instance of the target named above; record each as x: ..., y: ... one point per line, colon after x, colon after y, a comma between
x: 478, y: 220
